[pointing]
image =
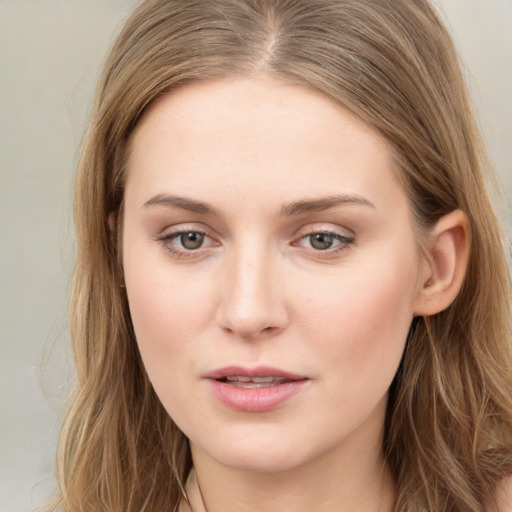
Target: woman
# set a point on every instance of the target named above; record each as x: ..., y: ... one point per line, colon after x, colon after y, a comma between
x: 291, y: 291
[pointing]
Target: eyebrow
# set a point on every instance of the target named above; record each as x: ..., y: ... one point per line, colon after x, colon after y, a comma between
x: 288, y: 210
x: 183, y: 203
x: 323, y: 203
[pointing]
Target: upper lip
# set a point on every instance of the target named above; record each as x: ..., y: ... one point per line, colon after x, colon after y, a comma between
x: 258, y: 371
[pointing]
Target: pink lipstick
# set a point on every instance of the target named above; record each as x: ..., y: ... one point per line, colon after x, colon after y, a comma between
x: 254, y: 390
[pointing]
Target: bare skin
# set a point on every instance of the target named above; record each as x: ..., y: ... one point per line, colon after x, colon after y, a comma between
x: 265, y: 227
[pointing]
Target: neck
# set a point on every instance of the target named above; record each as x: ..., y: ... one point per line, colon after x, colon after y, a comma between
x: 338, y: 480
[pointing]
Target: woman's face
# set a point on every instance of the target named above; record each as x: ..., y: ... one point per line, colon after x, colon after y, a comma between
x: 271, y: 269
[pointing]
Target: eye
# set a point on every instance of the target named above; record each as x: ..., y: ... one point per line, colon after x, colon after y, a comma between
x: 325, y: 241
x: 186, y: 242
x: 190, y: 240
x: 321, y: 241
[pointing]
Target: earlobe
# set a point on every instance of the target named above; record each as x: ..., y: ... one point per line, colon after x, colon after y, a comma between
x: 446, y: 263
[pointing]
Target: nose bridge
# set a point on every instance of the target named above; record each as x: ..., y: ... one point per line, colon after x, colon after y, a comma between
x: 251, y: 302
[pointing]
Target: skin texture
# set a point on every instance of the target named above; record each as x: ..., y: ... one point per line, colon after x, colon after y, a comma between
x: 258, y: 293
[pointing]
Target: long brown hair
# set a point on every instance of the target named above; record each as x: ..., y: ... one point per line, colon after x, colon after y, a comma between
x: 448, y: 437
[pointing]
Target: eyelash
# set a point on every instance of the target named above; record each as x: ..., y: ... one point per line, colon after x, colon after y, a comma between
x: 344, y: 243
x: 167, y: 242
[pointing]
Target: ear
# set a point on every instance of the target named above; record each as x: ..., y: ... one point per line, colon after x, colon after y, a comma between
x: 445, y: 264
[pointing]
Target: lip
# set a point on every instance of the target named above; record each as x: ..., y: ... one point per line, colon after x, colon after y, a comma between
x: 258, y: 371
x: 260, y: 399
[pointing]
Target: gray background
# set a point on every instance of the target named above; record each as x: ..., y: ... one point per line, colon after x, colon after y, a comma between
x: 50, y: 55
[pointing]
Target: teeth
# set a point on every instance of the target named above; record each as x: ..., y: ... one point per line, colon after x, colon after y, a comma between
x: 254, y: 382
x: 252, y: 385
x: 263, y: 379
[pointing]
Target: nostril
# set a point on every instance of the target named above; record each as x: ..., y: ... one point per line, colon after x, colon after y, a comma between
x: 248, y: 309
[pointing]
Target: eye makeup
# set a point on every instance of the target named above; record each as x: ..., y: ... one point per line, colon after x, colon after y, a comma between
x: 187, y: 242
x: 192, y: 242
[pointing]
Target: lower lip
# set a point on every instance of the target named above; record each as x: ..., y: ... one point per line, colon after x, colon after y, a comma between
x: 256, y: 399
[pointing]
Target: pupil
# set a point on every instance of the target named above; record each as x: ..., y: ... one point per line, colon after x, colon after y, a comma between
x: 321, y: 241
x: 192, y: 240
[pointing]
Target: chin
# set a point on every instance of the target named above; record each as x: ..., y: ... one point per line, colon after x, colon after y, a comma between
x: 257, y: 459
x: 259, y: 452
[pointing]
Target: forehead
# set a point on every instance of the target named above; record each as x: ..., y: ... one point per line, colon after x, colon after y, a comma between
x: 256, y: 138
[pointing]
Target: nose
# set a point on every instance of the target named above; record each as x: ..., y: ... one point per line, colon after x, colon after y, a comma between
x: 252, y: 301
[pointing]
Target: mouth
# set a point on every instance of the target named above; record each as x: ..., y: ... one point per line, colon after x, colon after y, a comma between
x: 259, y: 377
x: 254, y: 382
x: 255, y: 390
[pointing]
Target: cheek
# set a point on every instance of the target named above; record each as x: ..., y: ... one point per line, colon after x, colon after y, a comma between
x: 360, y: 322
x: 167, y: 316
x: 168, y: 309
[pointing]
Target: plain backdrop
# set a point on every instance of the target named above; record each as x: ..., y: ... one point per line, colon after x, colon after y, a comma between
x: 50, y: 56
